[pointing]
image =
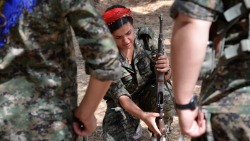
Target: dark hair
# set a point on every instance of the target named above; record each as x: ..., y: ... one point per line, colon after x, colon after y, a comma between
x: 120, y: 22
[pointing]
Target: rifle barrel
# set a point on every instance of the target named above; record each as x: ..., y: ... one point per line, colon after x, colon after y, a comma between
x: 160, y: 88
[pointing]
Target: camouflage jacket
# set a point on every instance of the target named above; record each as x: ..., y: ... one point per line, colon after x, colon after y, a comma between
x: 40, y: 47
x: 233, y: 74
x: 225, y: 91
x: 42, y: 42
x: 38, y: 88
x: 140, y: 73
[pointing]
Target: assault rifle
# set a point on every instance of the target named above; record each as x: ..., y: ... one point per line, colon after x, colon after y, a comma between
x: 160, y: 88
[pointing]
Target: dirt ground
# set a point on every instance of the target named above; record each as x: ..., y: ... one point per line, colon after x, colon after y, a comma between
x: 145, y: 13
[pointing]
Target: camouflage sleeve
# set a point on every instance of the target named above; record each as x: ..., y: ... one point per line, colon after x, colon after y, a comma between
x: 116, y: 90
x: 203, y: 10
x: 96, y: 43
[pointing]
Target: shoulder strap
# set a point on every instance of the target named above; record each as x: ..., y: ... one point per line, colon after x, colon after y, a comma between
x: 232, y: 16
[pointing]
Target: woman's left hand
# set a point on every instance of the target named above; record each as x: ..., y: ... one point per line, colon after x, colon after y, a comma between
x: 162, y: 63
x: 149, y: 119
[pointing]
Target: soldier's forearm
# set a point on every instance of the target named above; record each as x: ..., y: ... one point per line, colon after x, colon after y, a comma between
x: 186, y: 62
x: 94, y: 94
x: 131, y: 107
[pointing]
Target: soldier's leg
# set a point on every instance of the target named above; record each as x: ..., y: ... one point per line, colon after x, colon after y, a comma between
x: 28, y: 115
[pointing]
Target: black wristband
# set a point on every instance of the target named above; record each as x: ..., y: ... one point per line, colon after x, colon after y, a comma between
x: 190, y: 106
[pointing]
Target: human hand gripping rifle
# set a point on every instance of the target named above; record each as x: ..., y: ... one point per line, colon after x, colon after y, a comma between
x: 81, y: 126
x: 160, y: 88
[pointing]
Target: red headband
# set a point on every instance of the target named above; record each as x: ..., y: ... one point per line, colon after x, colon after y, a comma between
x: 112, y: 15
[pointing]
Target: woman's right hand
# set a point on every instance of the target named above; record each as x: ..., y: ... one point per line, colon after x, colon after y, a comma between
x: 149, y: 119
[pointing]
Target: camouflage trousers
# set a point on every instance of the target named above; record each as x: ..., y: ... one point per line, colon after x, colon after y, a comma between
x: 119, y: 125
x: 227, y: 112
x: 32, y: 113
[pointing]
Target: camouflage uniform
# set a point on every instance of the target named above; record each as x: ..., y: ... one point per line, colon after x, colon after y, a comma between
x: 137, y: 82
x: 38, y: 89
x: 225, y: 92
